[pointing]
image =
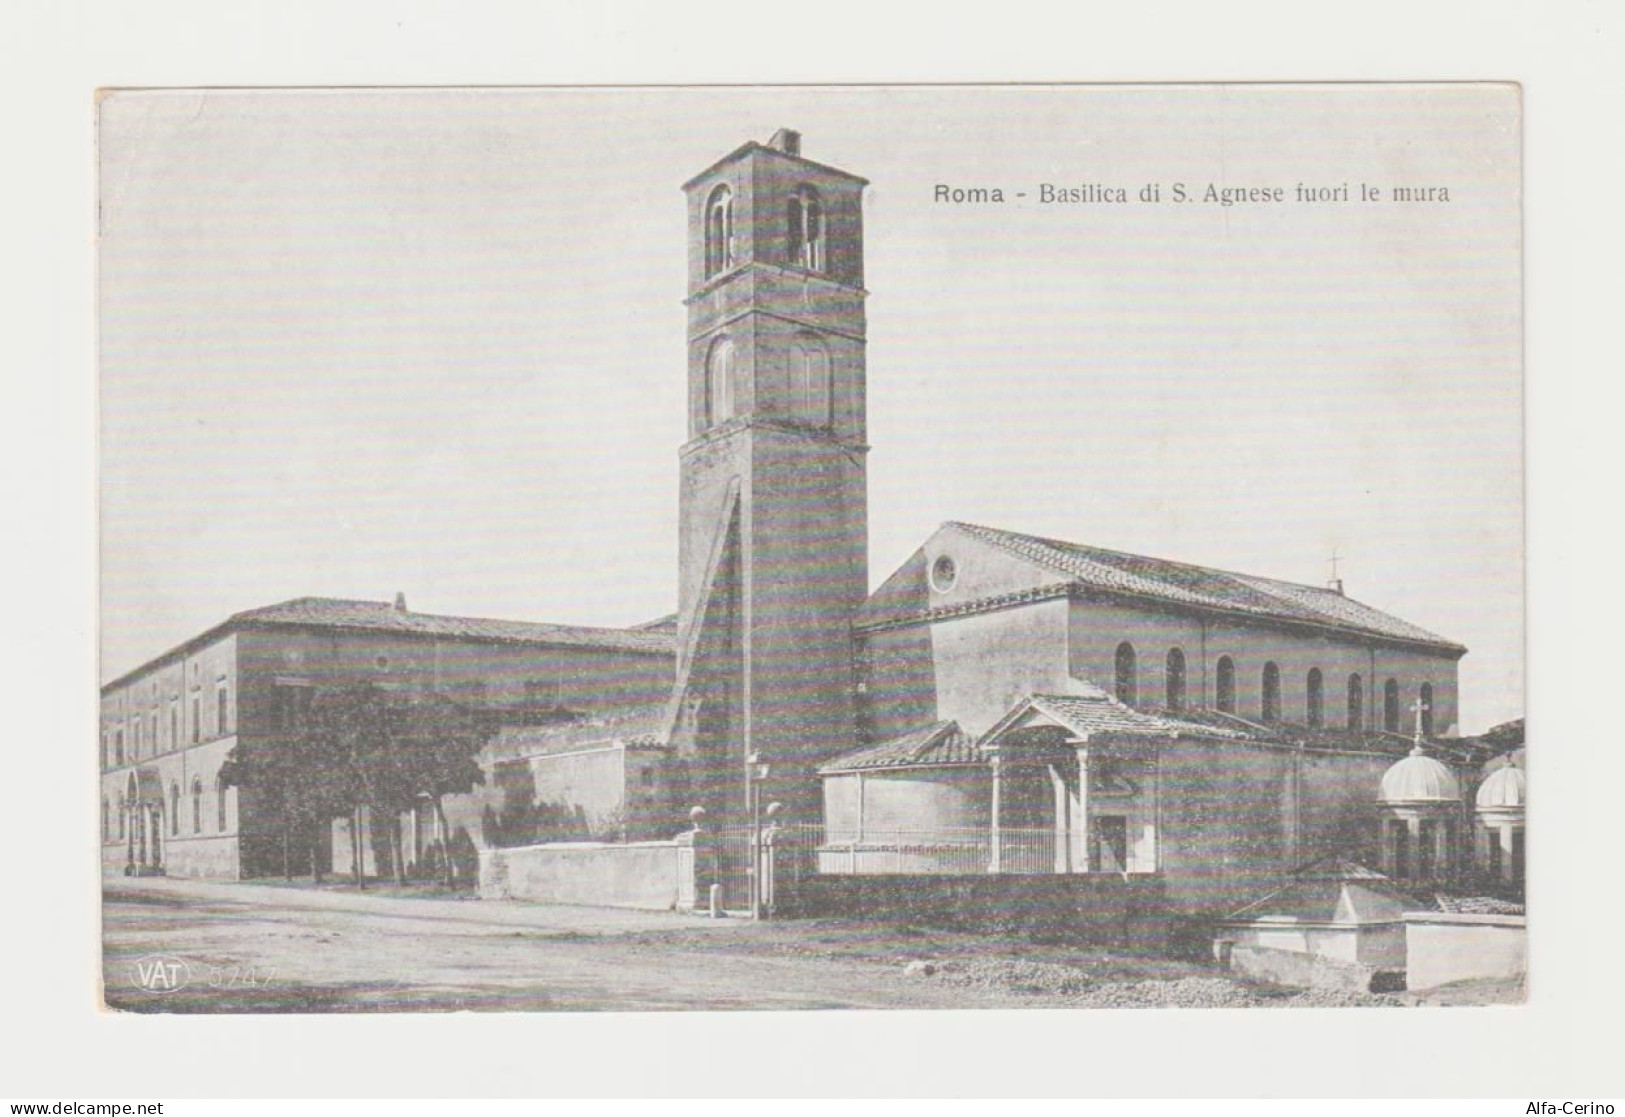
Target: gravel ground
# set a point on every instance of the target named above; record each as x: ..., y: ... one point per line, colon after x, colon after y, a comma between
x: 1081, y: 987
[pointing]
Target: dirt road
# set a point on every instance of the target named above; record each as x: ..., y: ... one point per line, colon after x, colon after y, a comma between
x: 257, y: 948
x: 190, y: 946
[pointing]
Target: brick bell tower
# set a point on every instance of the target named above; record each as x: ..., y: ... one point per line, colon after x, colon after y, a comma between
x: 774, y: 504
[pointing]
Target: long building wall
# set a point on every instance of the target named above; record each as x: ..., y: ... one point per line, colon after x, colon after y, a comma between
x: 1097, y: 628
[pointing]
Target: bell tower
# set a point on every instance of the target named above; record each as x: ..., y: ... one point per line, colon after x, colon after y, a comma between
x: 774, y: 507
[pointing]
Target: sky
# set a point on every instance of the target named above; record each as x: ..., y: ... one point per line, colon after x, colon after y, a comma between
x: 360, y: 342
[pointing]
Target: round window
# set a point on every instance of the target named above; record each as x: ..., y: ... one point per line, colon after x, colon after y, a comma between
x: 943, y: 574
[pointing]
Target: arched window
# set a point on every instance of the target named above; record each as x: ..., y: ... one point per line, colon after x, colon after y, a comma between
x: 122, y: 808
x: 1390, y: 705
x: 809, y: 382
x: 1174, y: 675
x: 197, y: 805
x: 1356, y: 702
x: 174, y: 808
x: 719, y: 382
x: 118, y: 747
x: 1128, y: 689
x: 1316, y: 702
x: 719, y: 231
x: 1426, y: 695
x: 107, y: 821
x: 1224, y: 687
x: 1271, y: 705
x: 806, y: 228
x: 220, y: 804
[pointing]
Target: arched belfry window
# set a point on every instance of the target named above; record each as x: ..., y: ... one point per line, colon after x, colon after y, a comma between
x: 1174, y: 674
x: 1224, y: 685
x: 1271, y: 705
x: 719, y: 231
x: 1390, y: 705
x: 810, y: 382
x: 1127, y: 690
x: 1426, y: 695
x: 719, y: 382
x: 1316, y: 700
x: 174, y: 808
x: 1356, y: 714
x: 805, y: 218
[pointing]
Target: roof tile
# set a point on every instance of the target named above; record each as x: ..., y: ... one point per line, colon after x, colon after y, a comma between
x: 1182, y: 583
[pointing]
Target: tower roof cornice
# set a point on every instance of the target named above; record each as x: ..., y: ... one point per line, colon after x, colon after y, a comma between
x: 753, y: 147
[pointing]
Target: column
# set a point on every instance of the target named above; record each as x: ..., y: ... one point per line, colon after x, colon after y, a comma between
x: 1505, y: 838
x: 1080, y: 814
x: 995, y: 858
x: 1063, y: 836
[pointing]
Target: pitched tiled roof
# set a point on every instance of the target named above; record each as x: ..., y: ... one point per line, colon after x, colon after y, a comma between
x: 931, y: 745
x: 1104, y: 714
x: 330, y: 612
x: 1177, y: 582
x: 1284, y: 732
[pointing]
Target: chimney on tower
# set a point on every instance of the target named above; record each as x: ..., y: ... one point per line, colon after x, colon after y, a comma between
x: 400, y: 602
x: 787, y: 140
x: 1336, y: 586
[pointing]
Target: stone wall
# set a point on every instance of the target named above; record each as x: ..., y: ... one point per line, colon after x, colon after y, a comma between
x: 1441, y: 948
x: 636, y: 875
x: 1097, y: 909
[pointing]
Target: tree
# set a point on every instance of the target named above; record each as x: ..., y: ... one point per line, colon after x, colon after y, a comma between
x: 364, y: 747
x: 297, y: 776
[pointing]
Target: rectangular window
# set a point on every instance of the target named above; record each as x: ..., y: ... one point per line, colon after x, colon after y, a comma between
x: 118, y: 746
x: 152, y: 730
x: 174, y: 725
x: 197, y: 717
x: 220, y: 710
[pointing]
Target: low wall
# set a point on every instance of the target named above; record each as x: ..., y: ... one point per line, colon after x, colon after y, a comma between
x: 635, y: 875
x: 1105, y: 909
x: 1380, y: 945
x: 214, y: 858
x: 201, y: 857
x: 1441, y: 948
x: 1304, y: 971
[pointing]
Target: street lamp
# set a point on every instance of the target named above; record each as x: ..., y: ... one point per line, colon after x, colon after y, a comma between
x: 756, y: 771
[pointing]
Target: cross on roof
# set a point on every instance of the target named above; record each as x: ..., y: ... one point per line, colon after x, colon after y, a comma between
x: 1419, y: 707
x: 1334, y: 558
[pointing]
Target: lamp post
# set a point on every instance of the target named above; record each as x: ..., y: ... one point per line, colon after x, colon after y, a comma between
x: 755, y: 772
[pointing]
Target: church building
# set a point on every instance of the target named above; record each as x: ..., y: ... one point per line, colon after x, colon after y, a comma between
x: 1001, y: 703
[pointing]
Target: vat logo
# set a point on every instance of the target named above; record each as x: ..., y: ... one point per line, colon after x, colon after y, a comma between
x: 161, y: 973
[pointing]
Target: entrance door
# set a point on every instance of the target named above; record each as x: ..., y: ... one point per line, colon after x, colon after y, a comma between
x: 1108, y: 851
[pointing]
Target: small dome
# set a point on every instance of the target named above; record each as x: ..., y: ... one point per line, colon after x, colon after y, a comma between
x: 1419, y: 779
x: 1503, y: 790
